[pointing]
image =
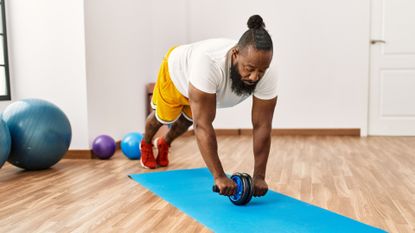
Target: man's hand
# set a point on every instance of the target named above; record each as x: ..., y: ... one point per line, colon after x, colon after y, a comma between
x: 260, y: 187
x: 226, y: 186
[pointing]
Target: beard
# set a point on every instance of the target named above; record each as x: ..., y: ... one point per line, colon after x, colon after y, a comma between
x: 238, y: 86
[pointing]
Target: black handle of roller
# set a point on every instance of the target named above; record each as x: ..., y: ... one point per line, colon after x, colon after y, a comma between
x: 215, y: 189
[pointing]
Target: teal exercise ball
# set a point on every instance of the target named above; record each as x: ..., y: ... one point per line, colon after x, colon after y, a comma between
x: 5, y: 142
x: 130, y: 145
x: 40, y: 132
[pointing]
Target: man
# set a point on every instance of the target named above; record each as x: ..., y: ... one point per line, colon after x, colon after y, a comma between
x: 197, y: 78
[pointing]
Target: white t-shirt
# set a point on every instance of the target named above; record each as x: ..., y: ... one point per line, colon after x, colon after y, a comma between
x: 206, y: 65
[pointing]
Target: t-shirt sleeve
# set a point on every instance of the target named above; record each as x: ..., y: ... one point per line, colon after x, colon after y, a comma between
x: 204, y: 74
x: 267, y: 87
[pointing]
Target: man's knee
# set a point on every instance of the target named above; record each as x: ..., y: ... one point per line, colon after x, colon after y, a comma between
x: 153, y: 121
x: 186, y: 122
x: 182, y: 123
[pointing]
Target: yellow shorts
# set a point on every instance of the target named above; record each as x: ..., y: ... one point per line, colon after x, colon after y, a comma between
x: 167, y: 101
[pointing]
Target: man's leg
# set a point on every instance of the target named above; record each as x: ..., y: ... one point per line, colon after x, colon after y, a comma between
x: 147, y: 159
x: 152, y: 126
x: 167, y: 111
x: 178, y: 128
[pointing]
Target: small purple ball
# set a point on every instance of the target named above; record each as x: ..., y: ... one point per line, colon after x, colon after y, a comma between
x: 103, y: 146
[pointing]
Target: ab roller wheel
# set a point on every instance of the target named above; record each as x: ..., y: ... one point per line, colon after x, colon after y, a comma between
x: 244, y: 189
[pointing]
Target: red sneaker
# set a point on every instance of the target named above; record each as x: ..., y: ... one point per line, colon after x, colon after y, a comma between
x: 147, y: 157
x: 163, y: 152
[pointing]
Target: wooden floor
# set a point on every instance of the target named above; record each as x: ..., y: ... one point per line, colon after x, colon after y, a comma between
x: 368, y: 179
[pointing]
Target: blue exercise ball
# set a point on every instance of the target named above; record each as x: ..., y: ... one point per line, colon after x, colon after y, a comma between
x: 40, y: 132
x: 130, y: 145
x: 5, y: 142
x: 103, y: 146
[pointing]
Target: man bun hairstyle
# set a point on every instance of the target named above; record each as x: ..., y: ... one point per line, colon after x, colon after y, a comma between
x: 256, y: 35
x: 255, y: 22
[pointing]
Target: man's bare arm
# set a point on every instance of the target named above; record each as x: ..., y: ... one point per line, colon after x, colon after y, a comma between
x: 262, y: 114
x: 203, y: 107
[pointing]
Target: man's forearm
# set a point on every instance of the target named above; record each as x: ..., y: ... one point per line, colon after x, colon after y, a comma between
x: 208, y: 146
x: 262, y: 144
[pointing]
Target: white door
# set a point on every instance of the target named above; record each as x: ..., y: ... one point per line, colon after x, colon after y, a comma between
x: 392, y: 76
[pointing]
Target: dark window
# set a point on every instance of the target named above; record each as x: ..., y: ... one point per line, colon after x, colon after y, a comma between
x: 4, y: 58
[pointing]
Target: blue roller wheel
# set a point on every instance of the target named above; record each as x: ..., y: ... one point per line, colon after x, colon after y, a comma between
x: 240, y: 195
x: 244, y: 189
x: 250, y: 187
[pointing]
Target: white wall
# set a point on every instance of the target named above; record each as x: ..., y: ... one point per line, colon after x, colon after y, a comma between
x: 321, y: 48
x: 118, y: 41
x: 126, y: 41
x: 95, y: 68
x: 3, y: 105
x: 47, y: 57
x: 169, y: 28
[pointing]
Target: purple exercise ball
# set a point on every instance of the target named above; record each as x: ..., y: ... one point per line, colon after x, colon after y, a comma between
x: 103, y: 146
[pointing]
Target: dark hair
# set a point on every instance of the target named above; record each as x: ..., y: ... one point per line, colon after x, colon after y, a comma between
x: 256, y: 35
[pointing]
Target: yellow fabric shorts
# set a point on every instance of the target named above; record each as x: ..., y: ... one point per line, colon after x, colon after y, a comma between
x: 167, y: 101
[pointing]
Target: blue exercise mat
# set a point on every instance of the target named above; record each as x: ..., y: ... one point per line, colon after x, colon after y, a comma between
x: 191, y: 192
